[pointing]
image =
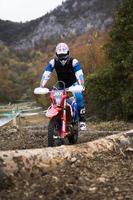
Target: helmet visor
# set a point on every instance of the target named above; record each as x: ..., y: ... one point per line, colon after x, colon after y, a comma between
x: 62, y: 56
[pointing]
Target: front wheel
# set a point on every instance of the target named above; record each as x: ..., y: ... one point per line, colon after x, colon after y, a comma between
x: 54, y: 129
x: 73, y: 136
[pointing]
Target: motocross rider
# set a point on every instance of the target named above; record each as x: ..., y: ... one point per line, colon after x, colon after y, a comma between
x: 68, y: 70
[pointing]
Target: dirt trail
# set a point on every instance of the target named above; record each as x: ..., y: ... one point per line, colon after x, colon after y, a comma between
x: 32, y: 132
x: 106, y: 176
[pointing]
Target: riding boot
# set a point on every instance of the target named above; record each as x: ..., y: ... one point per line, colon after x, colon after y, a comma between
x: 82, y: 120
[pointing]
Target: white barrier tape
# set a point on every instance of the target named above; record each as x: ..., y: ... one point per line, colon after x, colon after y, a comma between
x: 28, y: 114
x: 32, y: 114
x: 10, y: 117
x: 27, y: 110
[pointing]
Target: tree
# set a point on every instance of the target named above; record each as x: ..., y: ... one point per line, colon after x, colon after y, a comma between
x: 117, y: 79
x: 120, y: 51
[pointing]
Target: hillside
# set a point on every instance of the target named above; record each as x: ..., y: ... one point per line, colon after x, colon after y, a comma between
x: 10, y: 32
x: 70, y: 19
x: 20, y: 71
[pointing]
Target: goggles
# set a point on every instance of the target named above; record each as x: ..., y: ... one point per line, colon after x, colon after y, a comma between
x: 62, y: 56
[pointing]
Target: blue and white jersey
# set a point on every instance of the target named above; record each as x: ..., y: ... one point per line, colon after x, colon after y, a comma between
x: 70, y: 73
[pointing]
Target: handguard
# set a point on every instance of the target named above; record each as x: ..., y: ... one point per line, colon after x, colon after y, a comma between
x: 41, y: 90
x: 76, y: 88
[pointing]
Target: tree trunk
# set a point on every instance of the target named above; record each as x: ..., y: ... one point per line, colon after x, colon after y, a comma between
x: 26, y: 160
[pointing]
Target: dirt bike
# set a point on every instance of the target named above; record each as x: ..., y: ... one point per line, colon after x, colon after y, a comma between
x: 63, y: 114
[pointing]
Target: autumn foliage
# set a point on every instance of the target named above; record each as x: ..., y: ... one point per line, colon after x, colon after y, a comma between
x: 106, y: 59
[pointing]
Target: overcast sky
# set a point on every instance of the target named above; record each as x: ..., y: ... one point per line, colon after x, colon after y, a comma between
x: 26, y: 10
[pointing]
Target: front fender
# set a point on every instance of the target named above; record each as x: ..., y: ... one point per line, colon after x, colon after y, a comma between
x: 51, y: 112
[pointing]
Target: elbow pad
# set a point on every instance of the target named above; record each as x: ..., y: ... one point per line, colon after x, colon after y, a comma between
x: 45, y: 78
x: 47, y: 73
x: 78, y: 72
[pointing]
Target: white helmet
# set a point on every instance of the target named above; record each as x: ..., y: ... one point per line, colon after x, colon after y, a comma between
x: 62, y: 52
x: 62, y: 48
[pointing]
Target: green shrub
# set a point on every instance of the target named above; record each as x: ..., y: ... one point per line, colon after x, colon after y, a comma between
x: 103, y: 95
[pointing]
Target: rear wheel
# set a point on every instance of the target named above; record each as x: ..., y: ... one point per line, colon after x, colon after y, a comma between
x: 54, y: 129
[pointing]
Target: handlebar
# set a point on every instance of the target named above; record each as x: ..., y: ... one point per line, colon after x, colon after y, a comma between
x: 76, y: 88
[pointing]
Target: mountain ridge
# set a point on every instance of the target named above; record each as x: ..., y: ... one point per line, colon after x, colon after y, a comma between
x: 72, y: 18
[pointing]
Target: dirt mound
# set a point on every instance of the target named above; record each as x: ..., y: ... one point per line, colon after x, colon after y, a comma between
x: 103, y: 176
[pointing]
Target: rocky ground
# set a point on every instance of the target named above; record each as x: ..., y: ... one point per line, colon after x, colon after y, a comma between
x: 103, y: 176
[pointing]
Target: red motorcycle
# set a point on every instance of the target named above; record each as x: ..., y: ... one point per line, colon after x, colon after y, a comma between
x: 63, y: 114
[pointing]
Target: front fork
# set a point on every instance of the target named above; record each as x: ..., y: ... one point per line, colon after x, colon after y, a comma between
x: 63, y: 130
